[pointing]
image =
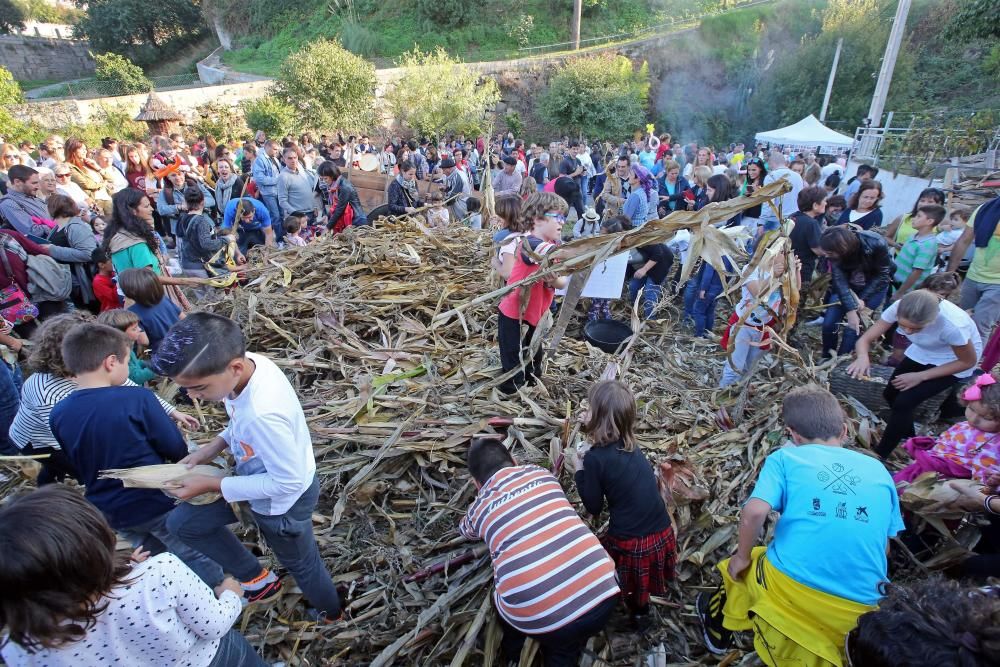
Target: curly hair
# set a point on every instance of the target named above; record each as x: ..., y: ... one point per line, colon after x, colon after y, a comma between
x: 46, y: 351
x: 57, y: 566
x: 929, y: 622
x: 538, y: 205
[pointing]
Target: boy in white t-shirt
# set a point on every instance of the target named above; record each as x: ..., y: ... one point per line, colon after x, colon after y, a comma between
x: 275, y: 469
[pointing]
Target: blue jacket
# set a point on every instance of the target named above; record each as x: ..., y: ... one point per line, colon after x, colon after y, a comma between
x: 674, y: 202
x: 265, y: 174
x: 261, y: 216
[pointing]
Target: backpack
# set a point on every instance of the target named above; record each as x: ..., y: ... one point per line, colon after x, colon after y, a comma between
x: 48, y: 280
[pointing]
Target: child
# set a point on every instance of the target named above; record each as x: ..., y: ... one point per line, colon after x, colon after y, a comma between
x: 919, y: 254
x: 547, y: 214
x: 293, y: 230
x: 553, y: 580
x: 103, y: 425
x: 475, y: 217
x: 827, y: 562
x: 944, y: 285
x: 156, y: 312
x: 507, y: 220
x: 513, y: 227
x: 967, y: 450
x: 103, y: 284
x: 600, y: 309
x: 701, y: 292
x: 275, y: 469
x: 750, y: 341
x: 437, y: 214
x: 71, y: 599
x: 951, y: 230
x: 127, y: 322
x: 98, y: 225
x: 640, y: 538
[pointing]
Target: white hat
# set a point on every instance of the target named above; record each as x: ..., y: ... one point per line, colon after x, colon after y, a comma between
x: 590, y: 215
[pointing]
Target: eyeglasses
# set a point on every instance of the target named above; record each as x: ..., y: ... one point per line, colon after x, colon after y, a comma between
x: 62, y: 175
x: 558, y: 216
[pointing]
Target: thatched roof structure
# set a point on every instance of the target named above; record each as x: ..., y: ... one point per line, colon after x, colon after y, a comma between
x: 155, y: 109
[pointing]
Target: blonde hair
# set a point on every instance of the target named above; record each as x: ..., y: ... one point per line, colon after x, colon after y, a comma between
x: 540, y: 203
x: 919, y: 306
x: 670, y: 164
x: 118, y: 318
x: 701, y: 175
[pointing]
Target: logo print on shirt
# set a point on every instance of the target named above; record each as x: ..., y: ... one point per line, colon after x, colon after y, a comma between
x: 816, y: 511
x: 861, y: 514
x: 248, y: 452
x: 841, y: 510
x: 838, y: 478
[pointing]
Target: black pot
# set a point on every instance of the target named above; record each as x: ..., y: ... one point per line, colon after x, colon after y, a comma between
x: 607, y: 335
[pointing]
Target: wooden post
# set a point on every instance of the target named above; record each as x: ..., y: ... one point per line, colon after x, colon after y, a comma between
x: 575, y: 27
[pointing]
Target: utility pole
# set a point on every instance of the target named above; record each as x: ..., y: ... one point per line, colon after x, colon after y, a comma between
x: 888, y: 64
x: 829, y: 83
x: 577, y: 18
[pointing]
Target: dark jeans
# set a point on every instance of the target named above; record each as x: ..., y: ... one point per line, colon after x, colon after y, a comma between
x: 139, y: 535
x: 246, y: 239
x: 236, y: 651
x: 56, y: 468
x: 10, y: 400
x: 700, y: 311
x: 289, y: 535
x: 512, y: 346
x: 904, y: 404
x: 832, y: 318
x: 562, y: 647
x: 650, y: 294
x: 274, y: 209
x: 986, y: 562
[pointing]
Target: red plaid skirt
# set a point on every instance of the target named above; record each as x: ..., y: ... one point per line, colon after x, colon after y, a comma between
x: 644, y: 564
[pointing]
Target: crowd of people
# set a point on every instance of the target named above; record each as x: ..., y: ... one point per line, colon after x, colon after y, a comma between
x: 103, y: 252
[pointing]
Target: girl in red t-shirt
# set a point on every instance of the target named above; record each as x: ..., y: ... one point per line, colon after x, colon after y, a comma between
x: 545, y: 213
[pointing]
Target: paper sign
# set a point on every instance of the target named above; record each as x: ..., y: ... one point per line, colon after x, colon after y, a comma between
x: 606, y: 279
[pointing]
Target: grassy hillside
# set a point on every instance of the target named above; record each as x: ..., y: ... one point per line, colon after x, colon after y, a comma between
x: 496, y: 29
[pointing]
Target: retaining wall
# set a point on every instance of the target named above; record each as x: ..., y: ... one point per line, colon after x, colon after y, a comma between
x: 35, y: 58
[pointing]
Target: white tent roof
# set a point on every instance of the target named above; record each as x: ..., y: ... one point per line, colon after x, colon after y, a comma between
x: 808, y: 132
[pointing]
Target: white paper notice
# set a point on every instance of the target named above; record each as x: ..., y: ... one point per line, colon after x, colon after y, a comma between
x: 606, y: 279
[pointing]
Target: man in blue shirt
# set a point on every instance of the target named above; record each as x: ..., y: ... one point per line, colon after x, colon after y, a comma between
x: 827, y: 561
x: 256, y: 226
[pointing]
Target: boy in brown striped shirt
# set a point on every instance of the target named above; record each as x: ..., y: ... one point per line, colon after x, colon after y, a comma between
x: 554, y: 580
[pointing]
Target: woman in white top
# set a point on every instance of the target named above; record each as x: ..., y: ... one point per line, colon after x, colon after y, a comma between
x: 944, y: 349
x: 71, y: 601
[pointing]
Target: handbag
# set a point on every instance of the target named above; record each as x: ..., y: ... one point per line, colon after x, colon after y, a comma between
x: 15, y: 307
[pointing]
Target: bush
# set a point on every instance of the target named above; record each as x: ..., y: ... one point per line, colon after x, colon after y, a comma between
x: 437, y: 93
x: 120, y: 76
x: 330, y: 87
x: 10, y: 90
x: 598, y: 96
x: 512, y: 120
x: 438, y: 14
x: 220, y: 121
x: 269, y: 114
x: 12, y: 17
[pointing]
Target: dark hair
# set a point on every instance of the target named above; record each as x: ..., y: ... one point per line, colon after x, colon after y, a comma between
x: 836, y: 201
x: 508, y: 209
x: 100, y: 256
x: 194, y: 197
x: 412, y: 144
x: 760, y: 164
x: 945, y: 281
x: 142, y: 286
x: 473, y: 205
x: 119, y: 318
x: 88, y: 344
x: 935, y: 212
x: 833, y: 180
x: 487, y: 456
x: 612, y: 415
x: 808, y: 197
x: 329, y: 169
x: 61, y: 206
x: 841, y: 240
x: 123, y: 219
x: 927, y: 193
x: 57, y: 565
x: 928, y: 622
x: 20, y: 172
x: 200, y: 345
x: 46, y: 349
x: 405, y: 166
x: 615, y: 224
x: 723, y: 188
x: 867, y: 185
x: 867, y: 169
x: 293, y: 223
x: 813, y: 412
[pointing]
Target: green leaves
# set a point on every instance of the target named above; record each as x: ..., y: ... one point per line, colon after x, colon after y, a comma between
x: 138, y: 28
x: 269, y: 114
x: 120, y: 75
x: 597, y: 96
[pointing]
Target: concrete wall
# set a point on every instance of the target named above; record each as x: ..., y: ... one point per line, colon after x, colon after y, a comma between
x: 39, y: 58
x: 899, y: 191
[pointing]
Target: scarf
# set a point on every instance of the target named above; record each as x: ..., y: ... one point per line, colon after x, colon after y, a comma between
x: 224, y: 191
x: 409, y: 189
x: 123, y: 240
x: 987, y: 217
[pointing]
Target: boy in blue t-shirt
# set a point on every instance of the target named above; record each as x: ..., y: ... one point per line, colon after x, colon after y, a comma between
x: 823, y: 569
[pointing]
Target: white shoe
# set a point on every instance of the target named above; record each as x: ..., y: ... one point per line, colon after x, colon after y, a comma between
x: 815, y: 323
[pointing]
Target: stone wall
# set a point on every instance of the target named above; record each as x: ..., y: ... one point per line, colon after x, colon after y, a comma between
x: 34, y: 58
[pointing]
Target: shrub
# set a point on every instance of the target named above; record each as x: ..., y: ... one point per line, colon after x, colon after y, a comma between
x: 220, y: 121
x: 120, y: 76
x: 438, y: 14
x: 269, y: 114
x: 329, y: 87
x: 512, y: 120
x: 10, y: 89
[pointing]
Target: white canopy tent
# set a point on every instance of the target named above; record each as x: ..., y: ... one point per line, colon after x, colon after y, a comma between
x: 809, y: 134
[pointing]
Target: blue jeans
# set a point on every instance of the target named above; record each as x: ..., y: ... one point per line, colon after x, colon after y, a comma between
x: 289, y: 535
x: 650, y: 294
x: 832, y: 318
x: 585, y: 189
x: 700, y: 311
x: 236, y: 651
x: 271, y: 202
x: 206, y: 568
x: 10, y: 400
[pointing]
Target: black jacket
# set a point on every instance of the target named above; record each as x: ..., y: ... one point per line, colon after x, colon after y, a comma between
x: 347, y: 195
x: 873, y: 264
x: 398, y: 200
x: 568, y: 189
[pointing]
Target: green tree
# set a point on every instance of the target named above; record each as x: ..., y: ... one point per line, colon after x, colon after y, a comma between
x: 10, y: 93
x: 330, y: 87
x: 975, y: 18
x: 438, y: 93
x: 11, y: 17
x: 117, y: 75
x: 269, y: 114
x: 438, y: 14
x: 134, y: 27
x: 598, y: 96
x: 220, y: 121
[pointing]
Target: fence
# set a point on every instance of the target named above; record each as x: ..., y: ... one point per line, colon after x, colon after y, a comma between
x: 91, y: 88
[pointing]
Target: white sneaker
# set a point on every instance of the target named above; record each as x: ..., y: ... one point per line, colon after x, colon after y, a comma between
x: 815, y: 323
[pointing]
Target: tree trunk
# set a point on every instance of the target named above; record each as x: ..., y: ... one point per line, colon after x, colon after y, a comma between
x: 575, y: 27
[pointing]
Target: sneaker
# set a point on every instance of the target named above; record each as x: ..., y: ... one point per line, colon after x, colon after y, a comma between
x: 815, y: 323
x: 709, y: 607
x: 320, y: 618
x: 264, y: 588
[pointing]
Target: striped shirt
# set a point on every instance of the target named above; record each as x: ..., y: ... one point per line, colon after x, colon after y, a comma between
x: 39, y: 395
x: 549, y: 569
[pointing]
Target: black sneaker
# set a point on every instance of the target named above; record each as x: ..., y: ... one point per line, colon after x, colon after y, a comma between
x: 709, y: 607
x: 266, y: 593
